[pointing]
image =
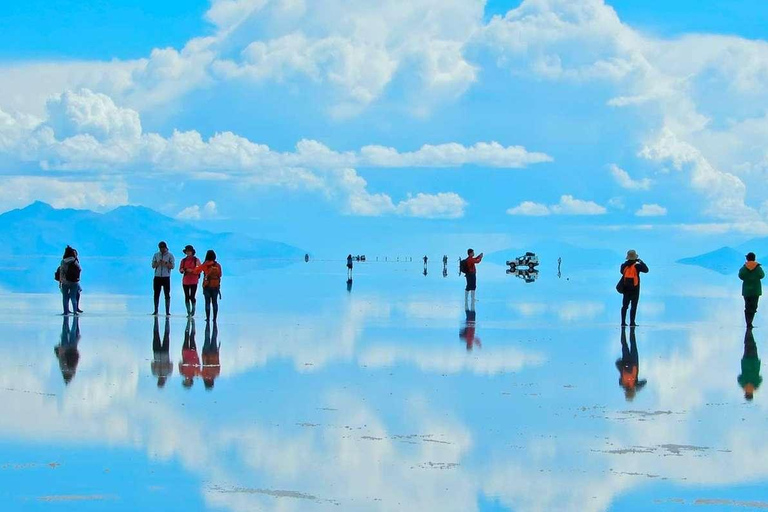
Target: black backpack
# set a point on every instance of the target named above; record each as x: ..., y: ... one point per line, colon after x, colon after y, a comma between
x: 72, y: 273
x: 463, y: 266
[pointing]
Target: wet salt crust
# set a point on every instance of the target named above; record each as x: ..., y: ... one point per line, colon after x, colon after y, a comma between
x: 375, y: 399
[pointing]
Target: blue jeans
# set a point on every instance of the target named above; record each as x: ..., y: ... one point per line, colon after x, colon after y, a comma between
x: 69, y: 294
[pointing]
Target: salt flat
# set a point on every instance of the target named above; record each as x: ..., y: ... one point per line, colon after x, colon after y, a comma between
x: 380, y: 398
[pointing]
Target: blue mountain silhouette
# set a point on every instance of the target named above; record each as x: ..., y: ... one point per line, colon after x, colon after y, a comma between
x: 109, y: 243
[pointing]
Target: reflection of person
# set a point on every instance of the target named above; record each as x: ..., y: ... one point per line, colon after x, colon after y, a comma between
x: 467, y: 332
x: 631, y: 270
x: 211, y: 284
x: 190, y: 278
x: 629, y: 365
x: 349, y: 285
x: 470, y: 272
x: 750, y: 378
x: 211, y: 366
x: 189, y: 366
x: 66, y: 351
x: 349, y: 266
x: 751, y: 289
x: 163, y: 263
x: 161, y: 366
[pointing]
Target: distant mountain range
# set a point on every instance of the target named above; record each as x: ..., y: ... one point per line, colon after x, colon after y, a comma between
x: 728, y: 260
x: 124, y: 238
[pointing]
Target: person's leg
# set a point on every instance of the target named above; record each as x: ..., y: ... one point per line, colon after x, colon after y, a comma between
x: 207, y: 295
x: 73, y: 294
x: 750, y: 308
x: 79, y: 291
x: 187, y: 302
x: 166, y: 283
x: 215, y: 303
x: 627, y: 297
x: 156, y: 288
x: 635, y: 298
x: 193, y: 297
x: 65, y: 298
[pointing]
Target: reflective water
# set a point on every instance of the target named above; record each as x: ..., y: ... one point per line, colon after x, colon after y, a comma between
x: 387, y: 393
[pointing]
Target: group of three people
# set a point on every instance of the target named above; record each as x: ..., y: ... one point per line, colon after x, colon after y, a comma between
x: 191, y: 268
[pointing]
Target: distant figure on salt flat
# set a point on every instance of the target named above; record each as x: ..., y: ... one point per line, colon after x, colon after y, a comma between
x: 629, y: 286
x: 161, y: 365
x: 349, y: 267
x: 629, y: 365
x: 68, y: 276
x: 751, y: 289
x: 163, y: 262
x: 306, y: 258
x: 468, y: 267
x: 559, y: 262
x: 190, y: 278
x: 750, y: 378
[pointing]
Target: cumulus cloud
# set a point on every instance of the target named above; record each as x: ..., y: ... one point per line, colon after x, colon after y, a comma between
x: 18, y: 191
x: 624, y: 180
x: 651, y: 210
x: 568, y: 205
x: 195, y: 212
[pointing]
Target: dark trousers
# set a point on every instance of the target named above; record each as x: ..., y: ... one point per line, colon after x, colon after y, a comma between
x: 631, y: 298
x: 471, y: 281
x: 190, y: 290
x: 211, y: 298
x: 164, y: 284
x: 750, y: 308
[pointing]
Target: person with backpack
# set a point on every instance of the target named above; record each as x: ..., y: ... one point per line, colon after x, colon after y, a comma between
x: 190, y: 278
x: 211, y: 284
x: 629, y: 286
x: 751, y: 289
x: 68, y: 276
x: 163, y: 262
x: 467, y: 267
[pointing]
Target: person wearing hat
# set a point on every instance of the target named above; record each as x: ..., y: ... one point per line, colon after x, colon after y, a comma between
x: 163, y: 262
x: 751, y: 288
x: 190, y: 278
x: 630, y: 271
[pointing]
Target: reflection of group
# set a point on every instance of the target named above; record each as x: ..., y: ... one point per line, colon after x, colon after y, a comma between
x: 190, y: 366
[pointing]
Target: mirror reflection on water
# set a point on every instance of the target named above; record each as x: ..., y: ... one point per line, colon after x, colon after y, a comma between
x: 388, y: 392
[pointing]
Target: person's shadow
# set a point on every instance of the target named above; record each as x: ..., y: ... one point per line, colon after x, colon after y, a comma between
x: 750, y: 378
x: 211, y: 366
x: 162, y: 367
x: 629, y: 365
x: 66, y: 351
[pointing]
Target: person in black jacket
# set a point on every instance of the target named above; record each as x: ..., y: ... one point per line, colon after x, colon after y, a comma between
x: 630, y: 271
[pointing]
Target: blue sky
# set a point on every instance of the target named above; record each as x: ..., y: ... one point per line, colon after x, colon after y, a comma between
x: 611, y: 122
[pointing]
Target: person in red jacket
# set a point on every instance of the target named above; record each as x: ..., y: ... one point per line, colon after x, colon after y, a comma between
x: 190, y: 278
x: 211, y: 284
x: 189, y: 366
x: 470, y: 272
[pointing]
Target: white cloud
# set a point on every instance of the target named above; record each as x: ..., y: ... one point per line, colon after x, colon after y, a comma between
x: 86, y: 112
x: 18, y: 191
x: 651, y: 210
x: 195, y: 212
x: 486, y: 154
x: 568, y: 205
x: 444, y: 205
x: 625, y: 181
x: 529, y: 208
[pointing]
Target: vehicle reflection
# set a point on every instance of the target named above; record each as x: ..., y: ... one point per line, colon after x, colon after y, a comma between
x: 66, y: 351
x: 750, y: 378
x: 162, y: 367
x: 189, y: 366
x: 526, y: 274
x: 211, y: 366
x: 629, y: 365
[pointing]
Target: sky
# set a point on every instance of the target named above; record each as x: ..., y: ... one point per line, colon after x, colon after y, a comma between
x: 420, y: 121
